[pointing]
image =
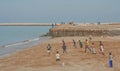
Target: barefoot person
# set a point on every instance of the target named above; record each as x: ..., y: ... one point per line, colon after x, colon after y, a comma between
x: 80, y: 43
x: 93, y: 49
x: 63, y: 42
x: 64, y: 48
x: 48, y: 49
x: 74, y: 44
x: 87, y: 46
x: 110, y: 60
x: 57, y: 56
x: 101, y: 48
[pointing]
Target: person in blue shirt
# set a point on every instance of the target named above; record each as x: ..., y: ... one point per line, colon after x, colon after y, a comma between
x: 80, y: 43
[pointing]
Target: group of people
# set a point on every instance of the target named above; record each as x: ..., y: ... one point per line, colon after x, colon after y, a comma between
x: 91, y: 47
x: 88, y: 46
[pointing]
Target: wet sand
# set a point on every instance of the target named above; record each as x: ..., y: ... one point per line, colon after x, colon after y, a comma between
x: 37, y: 59
x: 12, y: 48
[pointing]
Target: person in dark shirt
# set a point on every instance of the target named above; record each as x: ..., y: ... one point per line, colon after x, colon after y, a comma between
x: 74, y: 44
x: 64, y: 48
x: 49, y: 49
x: 80, y: 43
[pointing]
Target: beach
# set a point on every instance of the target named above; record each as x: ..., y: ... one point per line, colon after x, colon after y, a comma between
x: 37, y: 59
x: 59, y: 35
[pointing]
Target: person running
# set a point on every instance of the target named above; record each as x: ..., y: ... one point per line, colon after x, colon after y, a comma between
x: 57, y: 56
x: 64, y: 48
x: 49, y: 49
x: 63, y: 42
x: 80, y: 43
x: 87, y: 46
x: 110, y: 60
x: 74, y: 44
x: 101, y: 48
x: 93, y: 49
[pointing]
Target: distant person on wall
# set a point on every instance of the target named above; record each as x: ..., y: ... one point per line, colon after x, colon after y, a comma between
x: 57, y: 56
x: 87, y: 46
x: 49, y: 49
x: 52, y: 25
x: 80, y: 43
x: 74, y: 44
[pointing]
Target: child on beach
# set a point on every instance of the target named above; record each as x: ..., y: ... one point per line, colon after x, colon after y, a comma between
x: 64, y: 48
x: 80, y: 43
x: 74, y: 44
x: 93, y: 49
x: 101, y: 48
x: 87, y: 46
x: 49, y: 49
x: 57, y: 56
x: 63, y: 42
x: 110, y: 60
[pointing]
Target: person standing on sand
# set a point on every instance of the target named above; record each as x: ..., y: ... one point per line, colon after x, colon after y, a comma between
x: 80, y: 43
x: 102, y: 49
x: 64, y: 48
x: 93, y: 49
x: 110, y: 60
x: 57, y: 56
x: 87, y: 46
x: 63, y: 42
x: 74, y: 44
x: 49, y: 49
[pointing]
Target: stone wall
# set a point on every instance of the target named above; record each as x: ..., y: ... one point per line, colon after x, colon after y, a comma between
x: 64, y: 32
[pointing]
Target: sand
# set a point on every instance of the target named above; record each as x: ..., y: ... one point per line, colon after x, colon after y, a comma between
x: 37, y: 59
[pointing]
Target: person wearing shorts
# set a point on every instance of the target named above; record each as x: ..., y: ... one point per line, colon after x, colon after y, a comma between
x: 87, y: 46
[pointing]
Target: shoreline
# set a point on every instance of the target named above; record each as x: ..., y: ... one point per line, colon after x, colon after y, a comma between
x: 9, y: 49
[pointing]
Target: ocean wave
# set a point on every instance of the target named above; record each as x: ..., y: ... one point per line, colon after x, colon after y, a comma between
x: 22, y: 42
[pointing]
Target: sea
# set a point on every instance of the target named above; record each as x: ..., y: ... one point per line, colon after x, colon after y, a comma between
x: 16, y: 38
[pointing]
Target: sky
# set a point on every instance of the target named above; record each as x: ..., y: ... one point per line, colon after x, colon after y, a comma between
x: 59, y: 11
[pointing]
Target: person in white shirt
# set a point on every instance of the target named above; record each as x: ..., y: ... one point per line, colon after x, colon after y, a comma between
x: 57, y: 56
x: 93, y: 49
x: 102, y: 48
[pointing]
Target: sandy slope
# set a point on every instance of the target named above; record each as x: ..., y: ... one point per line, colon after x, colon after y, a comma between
x: 37, y: 59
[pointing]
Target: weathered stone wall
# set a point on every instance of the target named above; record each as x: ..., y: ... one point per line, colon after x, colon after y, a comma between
x: 84, y: 30
x: 65, y: 32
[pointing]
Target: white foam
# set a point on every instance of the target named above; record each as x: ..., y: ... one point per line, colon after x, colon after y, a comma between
x: 35, y: 39
x: 22, y: 42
